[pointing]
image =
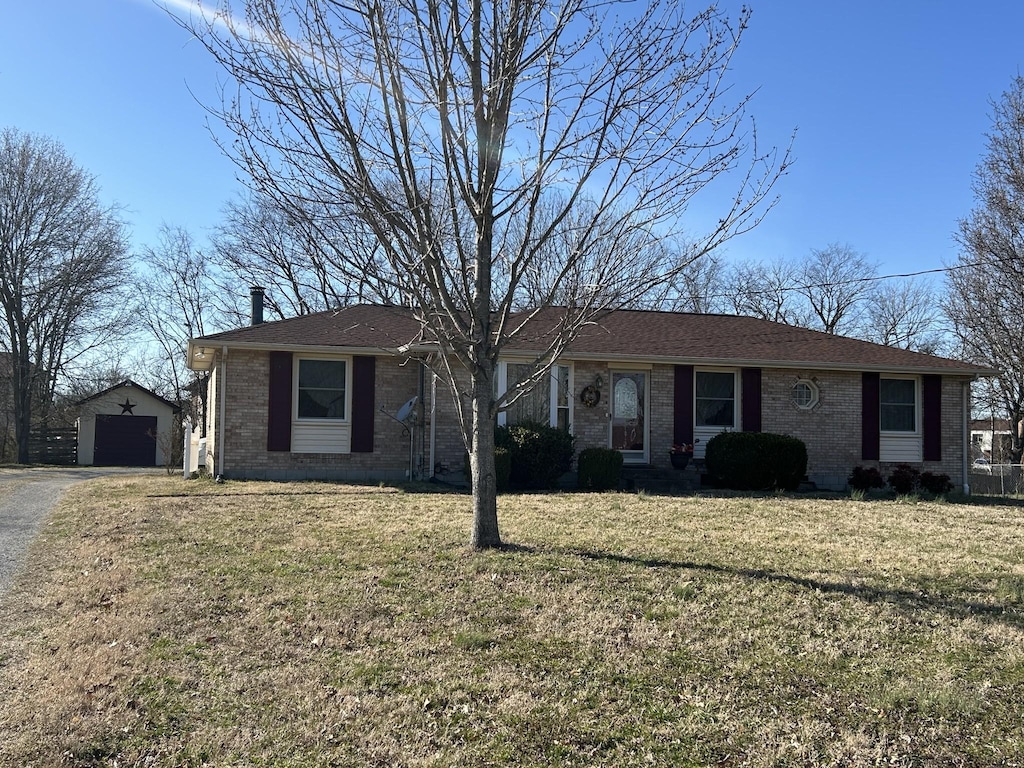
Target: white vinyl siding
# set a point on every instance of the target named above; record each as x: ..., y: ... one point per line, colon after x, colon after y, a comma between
x: 310, y: 437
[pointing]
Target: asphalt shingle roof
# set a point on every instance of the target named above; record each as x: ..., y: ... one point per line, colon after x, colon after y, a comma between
x: 618, y: 336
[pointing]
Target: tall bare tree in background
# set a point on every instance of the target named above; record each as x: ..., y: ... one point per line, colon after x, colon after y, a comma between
x: 179, y: 303
x: 467, y: 136
x: 985, y: 301
x: 906, y: 314
x: 63, y: 264
x: 767, y: 290
x: 307, y: 258
x: 835, y: 281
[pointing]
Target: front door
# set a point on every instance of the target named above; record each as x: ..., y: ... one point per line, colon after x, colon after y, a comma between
x: 629, y: 415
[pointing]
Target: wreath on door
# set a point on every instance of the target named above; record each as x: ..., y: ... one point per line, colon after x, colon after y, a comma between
x: 590, y: 396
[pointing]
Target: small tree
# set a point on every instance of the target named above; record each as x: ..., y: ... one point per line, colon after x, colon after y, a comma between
x: 480, y: 143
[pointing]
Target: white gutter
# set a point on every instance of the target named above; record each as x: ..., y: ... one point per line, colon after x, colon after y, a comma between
x: 222, y: 408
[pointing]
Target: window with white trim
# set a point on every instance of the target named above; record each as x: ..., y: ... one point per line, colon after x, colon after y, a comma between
x: 321, y: 389
x: 898, y: 405
x: 805, y: 394
x: 715, y: 399
x: 547, y: 402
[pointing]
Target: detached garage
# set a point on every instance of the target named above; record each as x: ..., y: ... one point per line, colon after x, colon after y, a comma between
x: 125, y: 426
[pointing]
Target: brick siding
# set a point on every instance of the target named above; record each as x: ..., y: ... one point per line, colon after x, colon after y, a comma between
x: 831, y: 430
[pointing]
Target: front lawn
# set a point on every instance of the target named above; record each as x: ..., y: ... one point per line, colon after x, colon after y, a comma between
x: 174, y: 623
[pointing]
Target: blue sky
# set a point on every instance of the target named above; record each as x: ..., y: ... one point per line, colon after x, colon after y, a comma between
x: 890, y: 100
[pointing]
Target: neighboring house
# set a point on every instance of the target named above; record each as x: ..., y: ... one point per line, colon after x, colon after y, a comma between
x: 315, y: 396
x: 126, y: 425
x: 986, y: 433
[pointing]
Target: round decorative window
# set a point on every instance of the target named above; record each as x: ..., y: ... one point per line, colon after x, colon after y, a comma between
x: 805, y: 394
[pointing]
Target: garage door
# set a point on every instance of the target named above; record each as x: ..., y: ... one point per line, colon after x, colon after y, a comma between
x: 125, y: 441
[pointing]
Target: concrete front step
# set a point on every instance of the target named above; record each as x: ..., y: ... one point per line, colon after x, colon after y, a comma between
x: 636, y: 477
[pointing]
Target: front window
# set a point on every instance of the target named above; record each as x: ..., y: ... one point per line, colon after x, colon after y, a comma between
x: 715, y: 399
x: 898, y: 405
x: 547, y: 402
x: 321, y: 389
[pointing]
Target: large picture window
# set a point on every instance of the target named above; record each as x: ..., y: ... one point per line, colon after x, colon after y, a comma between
x: 898, y: 405
x: 322, y: 389
x: 547, y: 402
x: 715, y: 399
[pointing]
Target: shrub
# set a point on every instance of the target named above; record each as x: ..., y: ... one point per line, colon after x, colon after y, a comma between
x: 599, y: 469
x: 756, y: 461
x: 904, y: 479
x: 540, y: 453
x: 936, y: 484
x: 865, y: 478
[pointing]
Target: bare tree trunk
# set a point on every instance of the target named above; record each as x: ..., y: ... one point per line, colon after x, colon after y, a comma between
x: 481, y: 459
x: 22, y: 377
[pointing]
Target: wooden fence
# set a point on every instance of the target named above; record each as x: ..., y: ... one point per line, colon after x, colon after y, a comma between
x: 54, y: 446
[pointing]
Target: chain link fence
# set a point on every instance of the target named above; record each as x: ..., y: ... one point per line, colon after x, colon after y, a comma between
x: 998, y: 480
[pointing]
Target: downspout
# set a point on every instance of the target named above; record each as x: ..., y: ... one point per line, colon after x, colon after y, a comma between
x: 421, y: 390
x: 222, y: 409
x: 966, y: 436
x: 186, y: 453
x: 433, y: 424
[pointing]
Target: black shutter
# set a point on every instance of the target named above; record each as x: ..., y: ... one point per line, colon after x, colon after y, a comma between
x: 363, y: 408
x: 682, y: 404
x: 931, y: 406
x: 750, y: 379
x: 279, y: 402
x: 870, y: 426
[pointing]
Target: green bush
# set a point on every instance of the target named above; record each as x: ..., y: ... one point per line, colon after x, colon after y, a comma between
x: 599, y: 469
x: 540, y: 453
x: 865, y: 478
x: 756, y: 461
x: 502, y: 469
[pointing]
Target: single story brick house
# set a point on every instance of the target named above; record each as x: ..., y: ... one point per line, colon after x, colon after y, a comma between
x: 317, y: 396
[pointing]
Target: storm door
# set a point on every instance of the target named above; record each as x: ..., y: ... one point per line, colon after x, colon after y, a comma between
x: 629, y: 415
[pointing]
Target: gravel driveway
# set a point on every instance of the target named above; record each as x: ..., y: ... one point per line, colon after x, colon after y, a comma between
x: 26, y: 498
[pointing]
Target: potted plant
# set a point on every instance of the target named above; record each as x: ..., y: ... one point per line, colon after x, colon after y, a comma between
x: 680, y: 455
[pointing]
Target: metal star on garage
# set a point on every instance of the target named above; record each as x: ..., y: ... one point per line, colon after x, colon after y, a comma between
x: 126, y: 407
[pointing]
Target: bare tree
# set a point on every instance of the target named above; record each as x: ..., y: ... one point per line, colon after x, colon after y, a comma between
x: 179, y: 304
x: 906, y: 314
x: 835, y: 281
x: 308, y: 258
x: 697, y: 287
x: 467, y: 136
x: 985, y: 301
x: 62, y: 261
x: 767, y: 290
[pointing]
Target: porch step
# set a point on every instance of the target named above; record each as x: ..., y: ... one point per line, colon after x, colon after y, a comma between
x: 637, y: 477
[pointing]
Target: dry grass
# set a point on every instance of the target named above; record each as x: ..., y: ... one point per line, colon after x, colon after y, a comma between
x: 172, y: 623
